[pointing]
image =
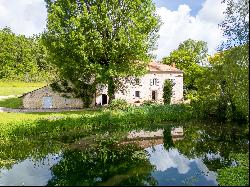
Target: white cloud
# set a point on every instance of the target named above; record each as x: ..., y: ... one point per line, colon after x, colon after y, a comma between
x: 26, y: 173
x: 26, y: 17
x: 179, y: 26
x: 164, y: 160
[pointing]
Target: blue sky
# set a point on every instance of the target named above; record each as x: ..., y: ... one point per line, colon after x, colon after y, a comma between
x: 182, y: 19
x: 195, y: 5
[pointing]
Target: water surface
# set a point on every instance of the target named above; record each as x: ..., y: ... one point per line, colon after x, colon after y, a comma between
x: 169, y: 155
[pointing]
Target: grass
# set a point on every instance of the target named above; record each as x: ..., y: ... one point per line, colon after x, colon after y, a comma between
x: 11, y: 103
x: 18, y: 118
x: 18, y: 88
x: 56, y: 125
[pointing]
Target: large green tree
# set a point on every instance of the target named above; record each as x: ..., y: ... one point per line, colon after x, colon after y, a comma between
x: 236, y: 59
x: 189, y: 57
x: 223, y: 90
x: 100, y: 41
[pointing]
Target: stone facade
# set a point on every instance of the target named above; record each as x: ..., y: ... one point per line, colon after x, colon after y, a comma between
x: 149, y: 86
x: 46, y: 98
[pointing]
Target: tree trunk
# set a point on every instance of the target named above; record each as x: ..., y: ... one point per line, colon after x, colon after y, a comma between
x: 111, y: 90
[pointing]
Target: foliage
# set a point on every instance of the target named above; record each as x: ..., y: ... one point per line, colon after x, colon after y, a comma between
x: 235, y: 175
x: 214, y: 139
x: 124, y: 165
x: 118, y: 104
x: 149, y: 103
x: 83, y: 90
x: 223, y: 88
x: 29, y: 130
x: 167, y: 91
x: 189, y: 57
x: 23, y: 58
x: 100, y: 41
x: 236, y: 23
x: 17, y: 88
x: 11, y: 103
x: 168, y: 140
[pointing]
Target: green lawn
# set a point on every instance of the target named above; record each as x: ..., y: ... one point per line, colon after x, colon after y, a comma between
x: 18, y: 88
x: 21, y: 117
x: 11, y: 102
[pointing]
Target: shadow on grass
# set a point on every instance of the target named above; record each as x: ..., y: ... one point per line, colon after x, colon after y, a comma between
x: 79, y: 112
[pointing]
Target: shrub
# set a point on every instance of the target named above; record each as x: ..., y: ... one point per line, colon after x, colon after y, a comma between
x: 235, y: 175
x: 167, y: 91
x: 118, y: 104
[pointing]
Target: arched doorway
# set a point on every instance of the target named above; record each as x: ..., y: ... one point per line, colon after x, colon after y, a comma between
x: 104, y: 99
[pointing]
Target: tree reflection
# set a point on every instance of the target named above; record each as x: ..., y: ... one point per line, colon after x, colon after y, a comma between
x: 167, y: 138
x: 109, y: 164
x: 212, y: 143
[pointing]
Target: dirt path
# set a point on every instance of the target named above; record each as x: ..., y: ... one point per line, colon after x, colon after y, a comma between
x: 4, y: 109
x: 8, y: 96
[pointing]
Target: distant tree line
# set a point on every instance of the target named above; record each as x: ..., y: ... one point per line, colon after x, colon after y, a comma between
x: 23, y: 58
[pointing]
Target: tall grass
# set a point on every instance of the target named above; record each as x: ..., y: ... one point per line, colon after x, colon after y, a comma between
x: 40, y: 136
x: 105, y: 120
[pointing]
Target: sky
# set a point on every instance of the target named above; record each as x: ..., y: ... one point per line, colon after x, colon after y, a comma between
x: 181, y: 20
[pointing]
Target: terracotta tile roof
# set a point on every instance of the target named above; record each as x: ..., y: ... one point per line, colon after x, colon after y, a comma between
x: 155, y: 66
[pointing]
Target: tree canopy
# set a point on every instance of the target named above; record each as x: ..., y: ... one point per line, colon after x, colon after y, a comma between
x: 224, y: 87
x: 189, y: 57
x: 100, y: 41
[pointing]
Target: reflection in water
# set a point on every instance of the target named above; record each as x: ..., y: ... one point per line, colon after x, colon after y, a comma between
x: 170, y: 163
x: 106, y: 165
x: 188, y: 155
x: 29, y: 172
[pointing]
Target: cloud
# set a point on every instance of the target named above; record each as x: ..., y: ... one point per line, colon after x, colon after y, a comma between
x: 26, y: 173
x: 164, y: 160
x: 179, y: 26
x: 26, y: 17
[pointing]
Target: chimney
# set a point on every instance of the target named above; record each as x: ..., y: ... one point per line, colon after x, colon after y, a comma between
x: 173, y: 65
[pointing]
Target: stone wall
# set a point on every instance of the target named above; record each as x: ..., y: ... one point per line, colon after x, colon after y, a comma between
x: 145, y: 88
x: 34, y: 99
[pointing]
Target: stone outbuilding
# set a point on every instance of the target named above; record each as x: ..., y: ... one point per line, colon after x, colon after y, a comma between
x: 45, y: 97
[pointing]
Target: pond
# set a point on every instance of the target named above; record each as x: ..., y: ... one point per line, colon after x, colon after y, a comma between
x: 187, y: 154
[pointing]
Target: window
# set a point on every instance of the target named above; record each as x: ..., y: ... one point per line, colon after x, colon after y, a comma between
x: 154, y: 81
x: 137, y: 94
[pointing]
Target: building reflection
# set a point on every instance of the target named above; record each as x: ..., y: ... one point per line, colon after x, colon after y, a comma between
x: 151, y: 138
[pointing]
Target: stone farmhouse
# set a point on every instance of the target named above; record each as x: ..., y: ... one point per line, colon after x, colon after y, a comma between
x: 147, y: 87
